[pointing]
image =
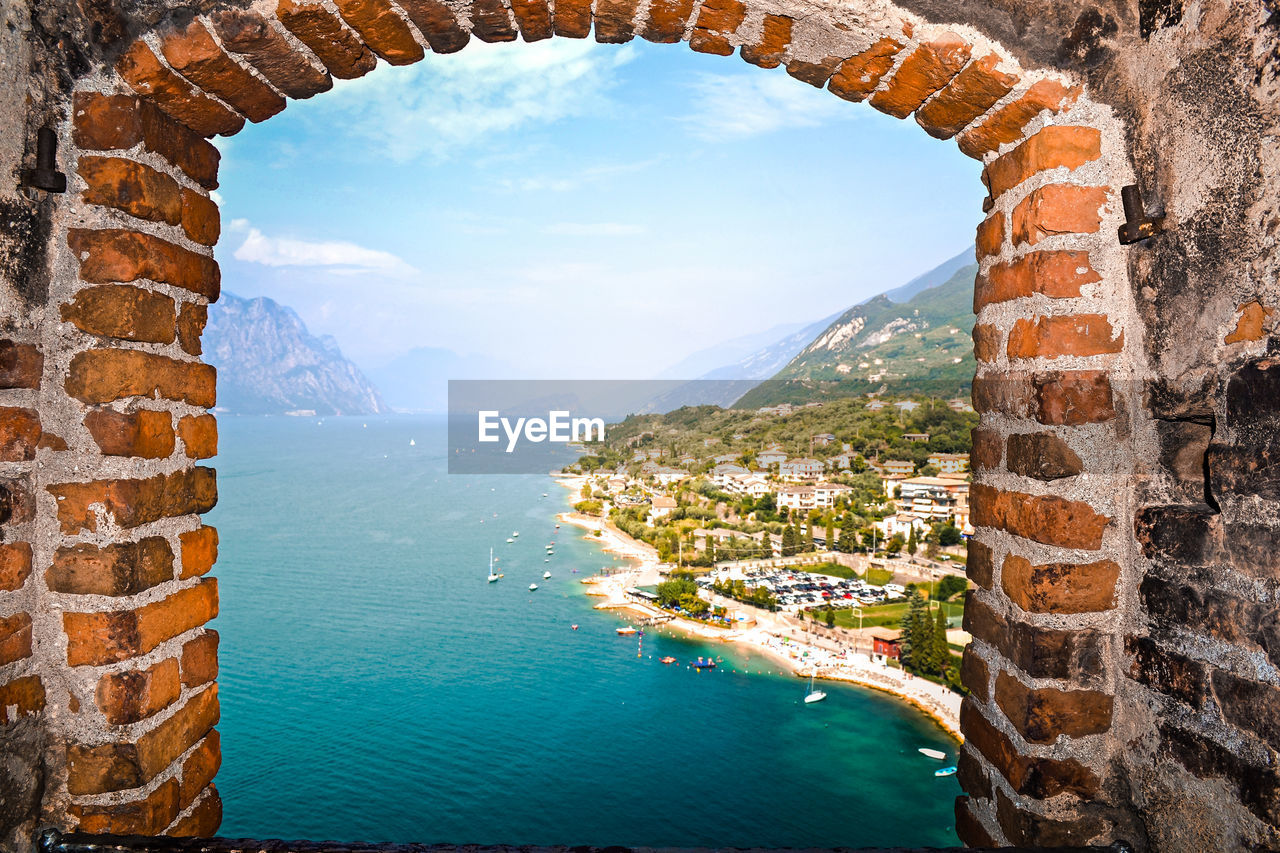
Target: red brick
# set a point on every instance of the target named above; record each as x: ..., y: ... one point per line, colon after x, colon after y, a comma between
x: 119, y: 766
x: 144, y: 433
x: 122, y: 311
x: 1069, y: 335
x: 21, y: 504
x: 534, y: 19
x: 439, y: 25
x: 25, y: 696
x: 199, y: 768
x: 200, y: 659
x: 970, y: 830
x: 987, y: 450
x: 382, y: 29
x: 816, y: 74
x: 1042, y: 456
x: 15, y: 565
x: 1035, y: 777
x: 1058, y: 209
x: 667, y: 20
x: 118, y: 255
x: 337, y: 47
x: 200, y: 218
x: 492, y: 22
x: 979, y: 565
x: 49, y: 441
x: 131, y: 503
x: 1047, y: 519
x: 1005, y: 124
x: 136, y: 189
x: 105, y: 375
x: 1058, y: 275
x: 571, y: 18
x: 990, y: 237
x: 1053, y: 147
x: 859, y: 75
x: 15, y: 638
x: 101, y: 638
x: 199, y: 435
x: 133, y: 695
x: 252, y: 37
x: 1251, y: 324
x: 986, y: 342
x: 199, y: 551
x: 1042, y: 714
x: 116, y: 122
x: 195, y: 55
x: 974, y: 675
x: 123, y: 568
x: 716, y: 20
x: 148, y: 816
x: 203, y: 820
x: 615, y: 21
x: 20, y: 365
x: 926, y: 70
x: 775, y: 38
x: 1060, y: 587
x: 19, y: 434
x: 142, y: 70
x: 970, y: 93
x: 191, y: 322
x: 1071, y: 398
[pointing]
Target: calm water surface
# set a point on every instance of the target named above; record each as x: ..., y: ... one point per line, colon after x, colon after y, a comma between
x: 375, y: 687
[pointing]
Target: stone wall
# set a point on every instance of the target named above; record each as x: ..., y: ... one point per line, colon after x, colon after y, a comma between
x: 1123, y: 673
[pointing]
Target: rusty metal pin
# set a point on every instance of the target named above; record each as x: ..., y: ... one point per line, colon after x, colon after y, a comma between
x: 45, y: 176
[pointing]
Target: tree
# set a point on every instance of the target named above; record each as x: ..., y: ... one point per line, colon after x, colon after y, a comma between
x: 950, y: 585
x: 949, y: 535
x: 766, y: 546
x: 831, y: 618
x: 788, y: 541
x: 913, y: 542
x: 916, y: 633
x: 673, y: 591
x: 941, y: 652
x: 895, y: 544
x: 711, y: 549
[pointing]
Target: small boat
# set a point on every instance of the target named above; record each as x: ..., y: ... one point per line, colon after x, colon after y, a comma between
x: 945, y: 771
x: 532, y: 587
x: 813, y: 695
x: 544, y: 494
x: 625, y: 632
x: 574, y: 627
x: 515, y: 533
x: 557, y: 527
x: 933, y: 753
x: 546, y: 575
x: 492, y: 575
x: 704, y: 663
x: 668, y: 659
x: 510, y: 540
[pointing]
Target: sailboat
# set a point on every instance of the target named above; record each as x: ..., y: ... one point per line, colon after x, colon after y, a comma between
x: 813, y: 695
x: 492, y: 577
x: 546, y: 575
x: 532, y: 587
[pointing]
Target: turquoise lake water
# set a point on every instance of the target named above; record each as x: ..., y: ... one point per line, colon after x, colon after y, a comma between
x: 374, y: 687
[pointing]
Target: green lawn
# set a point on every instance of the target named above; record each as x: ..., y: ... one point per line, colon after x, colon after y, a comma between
x: 879, y: 577
x: 886, y: 615
x: 835, y: 570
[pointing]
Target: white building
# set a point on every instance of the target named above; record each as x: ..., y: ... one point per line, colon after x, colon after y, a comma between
x: 661, y: 507
x: 902, y: 523
x: 772, y: 456
x: 950, y: 463
x: 801, y: 469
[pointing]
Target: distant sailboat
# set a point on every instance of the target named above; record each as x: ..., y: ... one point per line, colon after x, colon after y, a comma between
x: 532, y: 587
x: 412, y: 442
x: 813, y: 695
x: 546, y: 575
x: 492, y: 577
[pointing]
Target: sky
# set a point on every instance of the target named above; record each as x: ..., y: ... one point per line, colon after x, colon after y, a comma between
x: 578, y: 210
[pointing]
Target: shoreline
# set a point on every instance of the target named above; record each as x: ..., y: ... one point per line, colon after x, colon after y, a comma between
x: 772, y: 634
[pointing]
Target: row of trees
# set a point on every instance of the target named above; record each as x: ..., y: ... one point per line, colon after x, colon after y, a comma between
x: 924, y: 638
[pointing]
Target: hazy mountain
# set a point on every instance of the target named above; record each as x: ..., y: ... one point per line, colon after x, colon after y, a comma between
x: 922, y: 345
x: 726, y: 354
x: 418, y: 381
x: 268, y: 363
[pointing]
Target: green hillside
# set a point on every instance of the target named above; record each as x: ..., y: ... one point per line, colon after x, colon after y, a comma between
x: 922, y: 346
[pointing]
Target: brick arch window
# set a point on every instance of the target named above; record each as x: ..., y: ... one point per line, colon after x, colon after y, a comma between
x: 104, y: 418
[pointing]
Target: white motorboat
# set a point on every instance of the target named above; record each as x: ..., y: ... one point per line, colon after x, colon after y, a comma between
x: 813, y: 695
x: 546, y: 575
x: 933, y: 753
x: 532, y: 587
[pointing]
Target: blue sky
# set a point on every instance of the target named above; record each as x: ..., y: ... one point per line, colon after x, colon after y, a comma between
x: 581, y: 210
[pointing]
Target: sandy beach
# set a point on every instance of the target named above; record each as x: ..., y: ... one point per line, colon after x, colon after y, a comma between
x: 780, y: 637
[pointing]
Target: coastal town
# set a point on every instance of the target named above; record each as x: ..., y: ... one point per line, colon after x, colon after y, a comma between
x: 832, y: 541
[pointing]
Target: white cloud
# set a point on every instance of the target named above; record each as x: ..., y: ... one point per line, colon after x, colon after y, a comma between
x: 593, y: 229
x: 337, y: 256
x: 444, y: 104
x: 739, y: 105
